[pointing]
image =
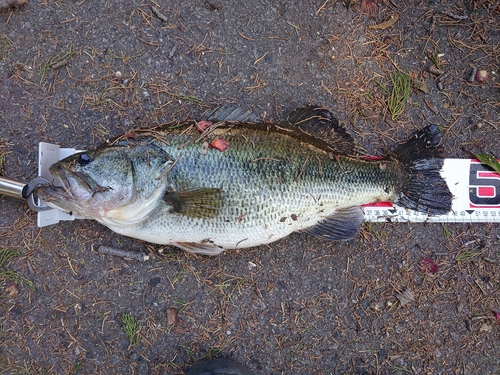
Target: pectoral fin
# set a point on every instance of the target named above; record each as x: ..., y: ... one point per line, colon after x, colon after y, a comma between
x: 342, y: 226
x: 197, y: 203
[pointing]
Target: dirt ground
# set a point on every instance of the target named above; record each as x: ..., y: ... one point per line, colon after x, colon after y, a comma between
x: 78, y: 72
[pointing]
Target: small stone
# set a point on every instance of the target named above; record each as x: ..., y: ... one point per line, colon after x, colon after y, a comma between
x: 485, y: 328
x: 376, y: 306
x: 381, y: 354
x: 481, y: 76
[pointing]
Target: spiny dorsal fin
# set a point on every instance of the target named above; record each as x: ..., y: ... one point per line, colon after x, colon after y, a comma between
x: 342, y: 226
x: 320, y: 123
x: 232, y: 113
x: 198, y: 203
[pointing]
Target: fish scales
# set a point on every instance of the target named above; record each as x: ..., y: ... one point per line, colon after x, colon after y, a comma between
x: 272, y: 185
x: 165, y: 186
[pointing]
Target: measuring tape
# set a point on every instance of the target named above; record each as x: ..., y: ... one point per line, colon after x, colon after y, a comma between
x: 476, y: 197
x: 475, y: 189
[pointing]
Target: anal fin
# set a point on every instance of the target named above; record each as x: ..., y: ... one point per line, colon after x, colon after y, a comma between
x: 206, y: 248
x: 342, y: 226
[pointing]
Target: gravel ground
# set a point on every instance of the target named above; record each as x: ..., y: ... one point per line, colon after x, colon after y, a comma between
x: 400, y: 299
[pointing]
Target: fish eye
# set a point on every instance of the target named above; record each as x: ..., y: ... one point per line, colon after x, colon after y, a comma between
x: 84, y: 159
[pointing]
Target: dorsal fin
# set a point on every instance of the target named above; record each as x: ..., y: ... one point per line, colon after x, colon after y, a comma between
x: 320, y: 123
x: 232, y: 113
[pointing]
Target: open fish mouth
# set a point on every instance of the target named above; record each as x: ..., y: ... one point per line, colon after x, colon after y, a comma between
x: 76, y: 184
x: 54, y: 196
x: 60, y: 178
x: 67, y: 190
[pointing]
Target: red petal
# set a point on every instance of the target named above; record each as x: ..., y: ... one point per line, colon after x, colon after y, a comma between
x: 220, y: 144
x: 203, y: 125
x: 369, y: 7
x: 497, y: 315
x: 131, y: 135
x: 427, y: 265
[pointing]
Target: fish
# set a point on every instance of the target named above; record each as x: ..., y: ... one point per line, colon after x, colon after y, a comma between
x: 173, y: 184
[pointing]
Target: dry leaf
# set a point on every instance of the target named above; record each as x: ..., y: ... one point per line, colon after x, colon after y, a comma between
x: 485, y: 328
x: 203, y: 125
x: 172, y: 315
x: 422, y: 86
x: 406, y: 297
x: 220, y: 144
x: 12, y: 289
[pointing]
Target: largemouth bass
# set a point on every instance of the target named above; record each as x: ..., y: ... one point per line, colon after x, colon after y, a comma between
x: 240, y: 184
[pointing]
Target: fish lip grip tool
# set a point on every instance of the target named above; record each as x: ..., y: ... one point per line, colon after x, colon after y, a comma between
x: 48, y: 154
x: 21, y: 190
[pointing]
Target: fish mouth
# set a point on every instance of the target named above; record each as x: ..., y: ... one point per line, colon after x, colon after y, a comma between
x: 76, y: 184
x: 56, y: 197
x: 68, y: 191
x: 60, y: 178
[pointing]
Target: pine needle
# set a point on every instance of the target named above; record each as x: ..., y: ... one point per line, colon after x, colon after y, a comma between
x: 401, y: 89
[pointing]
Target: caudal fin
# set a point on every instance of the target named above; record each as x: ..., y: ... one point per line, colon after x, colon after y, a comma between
x: 423, y: 189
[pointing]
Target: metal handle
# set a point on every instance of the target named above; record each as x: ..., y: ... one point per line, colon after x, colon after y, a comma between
x: 11, y: 188
x: 19, y: 190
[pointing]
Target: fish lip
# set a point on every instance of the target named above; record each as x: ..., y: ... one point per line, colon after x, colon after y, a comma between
x: 60, y: 177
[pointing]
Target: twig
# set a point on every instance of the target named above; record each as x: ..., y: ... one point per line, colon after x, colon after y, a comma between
x: 434, y: 70
x: 126, y: 254
x: 455, y: 16
x: 482, y: 317
x: 472, y: 77
x: 6, y: 4
x: 60, y: 64
x: 213, y: 5
x: 439, y: 81
x: 432, y: 28
x: 322, y: 7
x: 158, y: 14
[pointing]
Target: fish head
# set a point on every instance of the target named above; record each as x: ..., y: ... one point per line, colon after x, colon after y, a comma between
x: 117, y: 183
x: 90, y: 182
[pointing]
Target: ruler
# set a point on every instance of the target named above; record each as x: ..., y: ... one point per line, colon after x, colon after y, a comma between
x: 476, y: 197
x: 475, y: 189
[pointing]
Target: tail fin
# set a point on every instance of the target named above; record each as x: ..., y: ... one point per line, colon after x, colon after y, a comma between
x: 424, y: 190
